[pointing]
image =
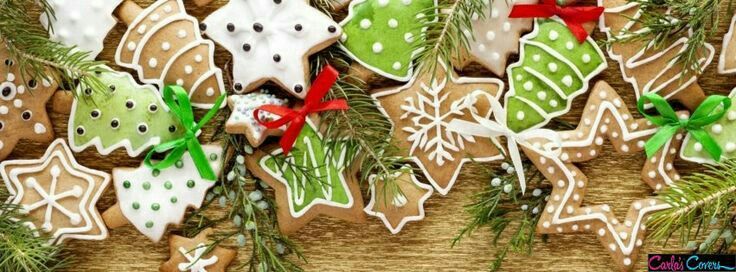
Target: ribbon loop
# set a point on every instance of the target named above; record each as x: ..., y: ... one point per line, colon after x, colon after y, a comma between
x: 177, y: 99
x: 312, y: 104
x: 574, y: 17
x: 710, y: 111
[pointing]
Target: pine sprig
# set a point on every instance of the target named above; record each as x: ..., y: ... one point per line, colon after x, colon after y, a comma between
x: 663, y: 21
x: 36, y: 55
x: 700, y: 202
x: 445, y: 37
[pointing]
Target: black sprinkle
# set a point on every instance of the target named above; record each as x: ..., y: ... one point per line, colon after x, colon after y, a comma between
x: 115, y: 123
x: 202, y: 26
x: 238, y: 87
x: 276, y: 58
x: 26, y: 115
x: 152, y: 107
x: 230, y: 27
x: 8, y: 62
x: 331, y: 29
x: 298, y: 27
x: 258, y: 27
x: 88, y: 91
x: 246, y: 47
x: 94, y: 114
x: 112, y: 88
x: 142, y: 128
x: 32, y: 83
x: 298, y: 88
x: 80, y: 130
x: 129, y: 104
x: 277, y: 1
x: 7, y: 91
x: 172, y: 128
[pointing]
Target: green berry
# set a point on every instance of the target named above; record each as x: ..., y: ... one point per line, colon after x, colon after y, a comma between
x: 213, y: 157
x: 146, y: 185
x: 149, y: 224
x: 179, y: 164
x: 174, y: 199
x: 136, y: 205
x: 156, y: 172
x: 168, y: 185
x: 126, y: 184
x: 190, y: 183
x: 155, y: 206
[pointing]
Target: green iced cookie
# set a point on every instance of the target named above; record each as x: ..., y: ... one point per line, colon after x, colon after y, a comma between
x: 723, y: 131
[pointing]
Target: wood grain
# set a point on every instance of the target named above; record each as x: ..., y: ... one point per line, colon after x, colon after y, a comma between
x: 331, y: 245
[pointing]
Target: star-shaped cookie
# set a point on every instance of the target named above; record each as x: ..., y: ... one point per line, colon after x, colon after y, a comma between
x: 271, y: 40
x: 22, y: 106
x: 420, y: 112
x: 316, y: 178
x: 241, y: 119
x: 402, y: 208
x: 58, y: 194
x: 604, y: 117
x: 189, y: 255
x: 83, y: 24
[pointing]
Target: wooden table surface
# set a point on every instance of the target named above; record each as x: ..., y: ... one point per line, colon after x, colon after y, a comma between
x: 331, y: 245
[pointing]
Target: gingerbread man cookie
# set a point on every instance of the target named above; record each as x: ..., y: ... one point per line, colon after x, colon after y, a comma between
x: 58, y: 194
x: 191, y: 255
x: 271, y: 40
x: 404, y: 207
x: 82, y: 23
x: 242, y: 121
x: 164, y: 45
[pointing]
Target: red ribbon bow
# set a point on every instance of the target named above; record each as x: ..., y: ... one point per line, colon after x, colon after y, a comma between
x: 312, y: 104
x: 574, y: 17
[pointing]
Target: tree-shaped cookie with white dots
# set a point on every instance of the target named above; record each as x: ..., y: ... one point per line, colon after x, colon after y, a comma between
x: 126, y: 115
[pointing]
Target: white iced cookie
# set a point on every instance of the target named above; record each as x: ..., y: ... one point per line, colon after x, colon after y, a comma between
x: 271, y: 40
x: 81, y: 23
x: 242, y: 121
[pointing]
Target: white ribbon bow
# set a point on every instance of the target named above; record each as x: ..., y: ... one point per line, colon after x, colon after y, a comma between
x: 492, y: 129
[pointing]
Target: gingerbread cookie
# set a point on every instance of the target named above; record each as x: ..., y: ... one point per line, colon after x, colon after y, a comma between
x: 127, y: 115
x: 554, y: 69
x: 495, y: 36
x: 404, y: 207
x: 22, y: 107
x: 191, y: 255
x: 153, y: 199
x: 383, y: 35
x: 57, y: 194
x: 271, y: 40
x: 727, y: 59
x: 651, y: 69
x: 83, y: 24
x: 723, y: 131
x: 420, y: 111
x: 242, y: 121
x: 164, y: 45
x: 605, y: 116
x: 311, y: 181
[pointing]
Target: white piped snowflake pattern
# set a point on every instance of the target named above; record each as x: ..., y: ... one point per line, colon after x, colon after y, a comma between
x: 50, y: 199
x: 196, y: 261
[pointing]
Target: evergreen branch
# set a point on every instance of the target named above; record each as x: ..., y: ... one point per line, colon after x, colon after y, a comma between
x: 700, y: 201
x: 445, y: 37
x: 663, y: 21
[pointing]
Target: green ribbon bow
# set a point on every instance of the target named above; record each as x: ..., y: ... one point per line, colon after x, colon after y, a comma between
x: 710, y: 111
x: 178, y: 101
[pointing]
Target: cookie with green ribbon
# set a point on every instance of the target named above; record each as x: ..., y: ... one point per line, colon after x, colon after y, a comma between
x: 554, y: 69
x: 317, y: 177
x: 723, y: 132
x: 126, y: 115
x: 152, y: 199
x: 383, y: 35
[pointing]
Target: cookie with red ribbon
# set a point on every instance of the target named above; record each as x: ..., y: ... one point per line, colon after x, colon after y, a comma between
x: 243, y: 121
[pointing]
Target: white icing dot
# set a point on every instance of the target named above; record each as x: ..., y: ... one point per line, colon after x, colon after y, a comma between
x: 392, y: 23
x: 553, y: 102
x: 561, y: 183
x: 612, y: 247
x: 152, y: 62
x: 168, y: 9
x: 165, y: 46
x: 406, y: 2
x: 520, y: 115
x: 528, y: 85
x: 210, y: 92
x: 541, y: 95
x: 637, y: 205
x: 142, y: 29
x: 490, y: 35
x: 601, y: 232
x: 506, y: 26
x: 698, y: 147
x: 717, y: 128
x: 625, y: 148
x: 396, y: 65
x: 11, y: 77
x: 536, y: 57
x: 131, y: 46
x: 545, y: 224
x: 586, y: 58
x: 365, y: 24
x: 343, y: 37
x: 602, y: 94
x: 408, y: 37
x: 731, y: 115
x: 652, y: 174
x: 627, y: 261
x: 567, y: 80
x: 181, y: 34
x: 382, y: 3
x: 198, y: 58
x: 180, y: 82
x: 730, y: 147
x: 39, y: 128
x: 3, y: 110
x: 18, y: 103
x: 553, y: 35
x: 377, y: 47
x: 155, y: 17
x: 581, y: 184
x: 569, y: 45
x: 188, y: 69
x: 494, y: 13
x: 598, y: 140
x: 552, y: 67
x: 495, y: 56
x: 640, y: 144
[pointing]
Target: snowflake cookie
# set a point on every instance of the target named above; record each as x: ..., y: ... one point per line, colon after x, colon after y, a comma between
x: 81, y: 23
x: 57, y: 194
x: 22, y: 107
x: 329, y: 188
x: 153, y: 199
x: 554, y: 69
x: 646, y: 68
x: 420, y: 112
x: 495, y: 36
x: 241, y: 119
x: 604, y: 117
x: 164, y: 45
x: 723, y: 132
x: 271, y: 40
x: 406, y: 206
x: 193, y: 255
x: 382, y: 35
x: 127, y: 115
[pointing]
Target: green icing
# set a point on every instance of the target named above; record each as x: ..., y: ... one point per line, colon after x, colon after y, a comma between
x: 383, y: 34
x: 309, y: 171
x: 544, y: 81
x: 107, y: 117
x: 722, y: 131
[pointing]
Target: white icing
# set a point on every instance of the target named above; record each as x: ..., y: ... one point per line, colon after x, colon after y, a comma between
x: 420, y: 203
x: 83, y: 23
x: 727, y: 40
x: 196, y: 262
x: 242, y: 108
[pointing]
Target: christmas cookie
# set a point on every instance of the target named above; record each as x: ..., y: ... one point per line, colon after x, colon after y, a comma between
x: 420, y: 112
x: 83, y: 24
x: 57, y: 194
x: 495, y: 36
x: 242, y: 121
x: 604, y: 117
x: 192, y: 255
x: 554, y: 69
x: 271, y: 40
x: 407, y: 203
x: 126, y: 115
x: 164, y: 45
x: 22, y: 106
x: 646, y: 68
x: 722, y: 131
x: 315, y: 178
x: 153, y: 199
x: 383, y: 35
x: 727, y: 59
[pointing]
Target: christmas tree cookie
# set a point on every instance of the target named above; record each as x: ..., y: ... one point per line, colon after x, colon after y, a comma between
x: 164, y: 45
x: 83, y: 24
x: 313, y: 179
x: 383, y: 35
x: 554, y: 69
x: 722, y: 131
x: 153, y: 199
x: 127, y: 115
